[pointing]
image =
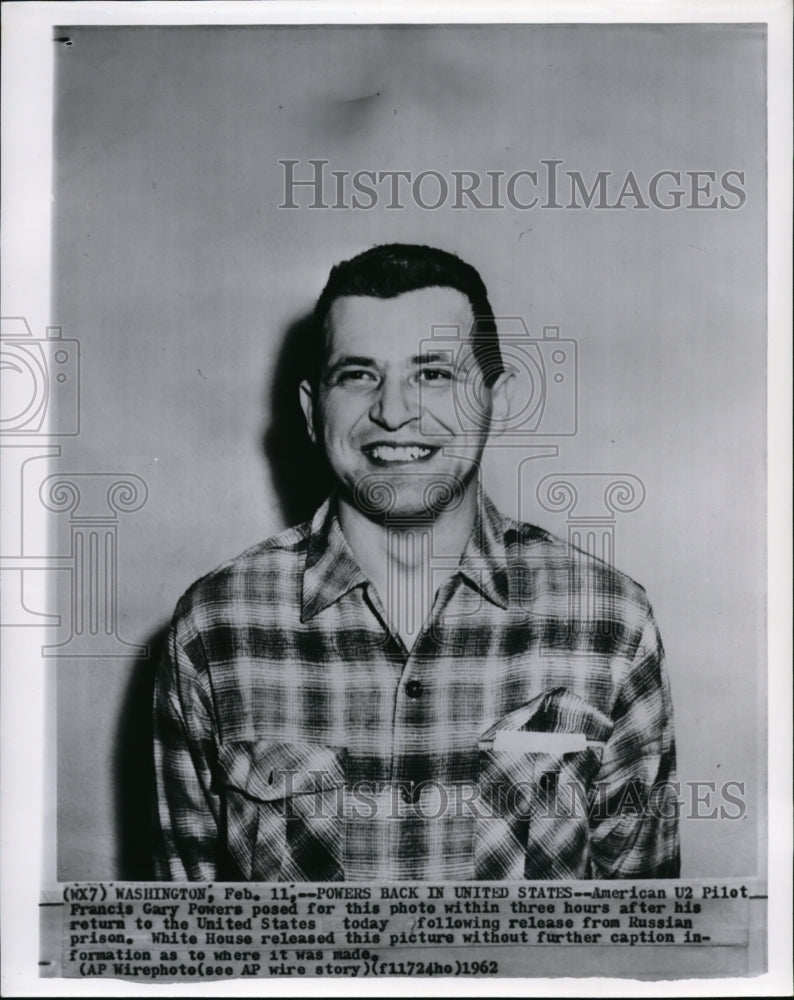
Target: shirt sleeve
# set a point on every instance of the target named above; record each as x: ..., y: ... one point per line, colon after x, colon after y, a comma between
x: 634, y: 817
x: 187, y: 809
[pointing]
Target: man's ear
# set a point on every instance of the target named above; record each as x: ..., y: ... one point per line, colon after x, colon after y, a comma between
x: 502, y: 393
x: 307, y: 405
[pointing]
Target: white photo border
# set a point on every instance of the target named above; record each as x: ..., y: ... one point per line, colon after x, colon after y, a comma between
x: 28, y: 718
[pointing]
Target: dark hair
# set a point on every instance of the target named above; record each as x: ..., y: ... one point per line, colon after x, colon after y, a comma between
x: 394, y: 268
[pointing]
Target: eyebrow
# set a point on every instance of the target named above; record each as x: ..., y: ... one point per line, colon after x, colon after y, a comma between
x: 445, y: 357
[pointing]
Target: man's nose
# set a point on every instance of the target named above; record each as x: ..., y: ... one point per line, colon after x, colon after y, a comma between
x: 396, y: 404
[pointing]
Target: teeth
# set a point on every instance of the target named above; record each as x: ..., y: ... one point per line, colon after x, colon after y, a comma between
x: 409, y: 453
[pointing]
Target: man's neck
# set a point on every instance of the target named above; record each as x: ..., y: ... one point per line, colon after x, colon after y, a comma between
x: 407, y: 560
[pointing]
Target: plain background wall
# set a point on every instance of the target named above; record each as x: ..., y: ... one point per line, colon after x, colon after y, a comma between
x: 183, y: 280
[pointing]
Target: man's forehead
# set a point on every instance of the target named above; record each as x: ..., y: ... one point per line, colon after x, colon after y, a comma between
x: 404, y: 325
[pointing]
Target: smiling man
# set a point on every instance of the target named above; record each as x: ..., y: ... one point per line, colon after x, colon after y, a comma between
x: 411, y: 686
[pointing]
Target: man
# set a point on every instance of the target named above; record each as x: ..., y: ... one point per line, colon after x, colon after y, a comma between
x: 412, y: 686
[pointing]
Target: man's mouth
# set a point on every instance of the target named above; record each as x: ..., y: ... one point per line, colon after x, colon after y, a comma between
x: 390, y: 453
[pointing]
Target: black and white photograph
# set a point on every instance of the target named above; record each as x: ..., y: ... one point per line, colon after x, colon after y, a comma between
x: 387, y: 507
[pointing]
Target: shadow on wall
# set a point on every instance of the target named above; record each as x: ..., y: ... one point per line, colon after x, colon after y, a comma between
x: 298, y: 469
x: 301, y: 481
x: 134, y: 767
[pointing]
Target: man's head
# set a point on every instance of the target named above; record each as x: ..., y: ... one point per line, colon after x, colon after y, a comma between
x: 392, y: 269
x: 383, y: 399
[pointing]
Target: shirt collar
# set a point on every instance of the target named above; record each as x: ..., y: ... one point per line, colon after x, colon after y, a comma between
x: 484, y: 560
x: 331, y: 570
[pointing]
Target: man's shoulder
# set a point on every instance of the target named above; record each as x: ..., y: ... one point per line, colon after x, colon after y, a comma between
x: 267, y: 564
x: 568, y: 566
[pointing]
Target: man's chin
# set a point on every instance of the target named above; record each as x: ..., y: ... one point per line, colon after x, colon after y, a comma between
x: 390, y: 495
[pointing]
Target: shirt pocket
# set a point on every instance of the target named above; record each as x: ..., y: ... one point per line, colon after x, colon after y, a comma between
x: 284, y: 806
x: 535, y: 817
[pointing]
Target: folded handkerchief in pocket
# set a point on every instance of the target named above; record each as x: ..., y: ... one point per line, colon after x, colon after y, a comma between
x: 520, y: 741
x: 555, y: 722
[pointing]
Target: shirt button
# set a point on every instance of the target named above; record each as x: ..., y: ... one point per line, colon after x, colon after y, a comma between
x: 413, y: 689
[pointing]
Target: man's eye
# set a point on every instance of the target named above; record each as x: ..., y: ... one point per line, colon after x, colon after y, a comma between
x: 435, y: 376
x: 355, y: 376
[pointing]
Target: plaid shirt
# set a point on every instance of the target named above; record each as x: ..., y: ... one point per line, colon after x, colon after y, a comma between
x: 526, y: 735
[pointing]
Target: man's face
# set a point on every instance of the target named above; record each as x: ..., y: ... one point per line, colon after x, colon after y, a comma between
x: 385, y: 410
